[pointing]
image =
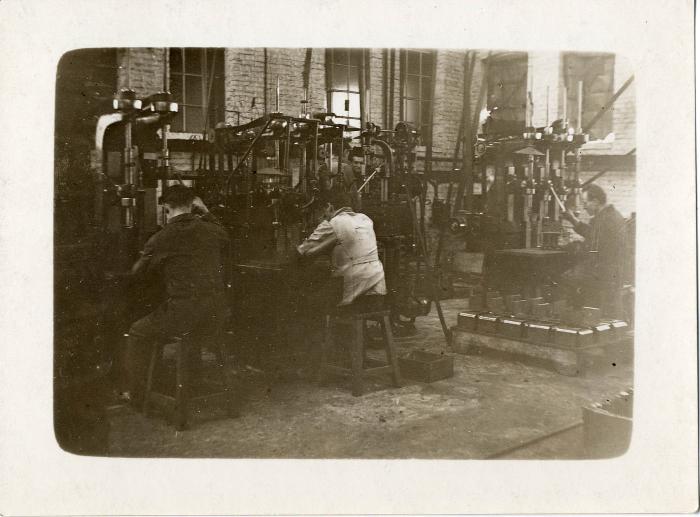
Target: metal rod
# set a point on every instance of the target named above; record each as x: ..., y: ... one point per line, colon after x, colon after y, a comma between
x: 245, y: 156
x: 277, y: 96
x: 579, y: 101
x: 608, y: 104
x: 559, y: 202
x: 431, y: 117
x: 369, y: 178
x: 467, y: 185
x: 428, y: 266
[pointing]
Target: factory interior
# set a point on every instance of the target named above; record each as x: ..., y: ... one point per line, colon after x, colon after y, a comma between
x: 496, y: 187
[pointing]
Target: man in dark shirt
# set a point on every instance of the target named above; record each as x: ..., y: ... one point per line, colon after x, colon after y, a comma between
x: 600, y: 271
x: 187, y: 256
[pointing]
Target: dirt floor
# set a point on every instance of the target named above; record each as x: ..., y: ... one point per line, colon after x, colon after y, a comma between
x: 489, y: 408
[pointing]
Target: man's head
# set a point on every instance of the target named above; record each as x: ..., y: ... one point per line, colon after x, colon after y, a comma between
x: 357, y: 159
x: 333, y: 201
x: 178, y: 200
x: 595, y: 199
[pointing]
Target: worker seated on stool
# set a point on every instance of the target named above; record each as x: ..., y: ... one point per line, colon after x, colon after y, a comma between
x: 187, y: 256
x: 597, y: 278
x: 349, y: 238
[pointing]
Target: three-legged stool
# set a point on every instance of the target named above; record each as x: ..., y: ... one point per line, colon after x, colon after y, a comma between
x: 179, y: 402
x: 357, y: 370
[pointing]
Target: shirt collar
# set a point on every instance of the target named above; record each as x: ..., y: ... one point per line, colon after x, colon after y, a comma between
x: 182, y: 217
x: 344, y: 210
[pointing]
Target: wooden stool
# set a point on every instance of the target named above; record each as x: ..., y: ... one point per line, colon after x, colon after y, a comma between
x: 179, y: 402
x: 357, y: 370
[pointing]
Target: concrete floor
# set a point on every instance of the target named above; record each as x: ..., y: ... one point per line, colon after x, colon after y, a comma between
x: 488, y: 408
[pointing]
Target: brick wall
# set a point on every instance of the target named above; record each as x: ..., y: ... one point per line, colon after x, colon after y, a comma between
x: 141, y: 69
x: 245, y: 81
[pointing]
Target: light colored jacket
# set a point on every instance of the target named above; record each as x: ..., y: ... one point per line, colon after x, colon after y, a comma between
x: 354, y: 256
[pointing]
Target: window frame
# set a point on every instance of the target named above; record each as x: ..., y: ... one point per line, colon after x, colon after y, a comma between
x: 332, y: 62
x: 217, y: 106
x: 421, y: 98
x: 604, y: 125
x: 517, y: 105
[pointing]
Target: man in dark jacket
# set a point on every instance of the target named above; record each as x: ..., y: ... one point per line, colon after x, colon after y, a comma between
x: 600, y: 271
x: 187, y: 256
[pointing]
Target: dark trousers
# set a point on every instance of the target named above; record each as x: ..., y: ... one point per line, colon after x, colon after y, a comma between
x: 177, y: 317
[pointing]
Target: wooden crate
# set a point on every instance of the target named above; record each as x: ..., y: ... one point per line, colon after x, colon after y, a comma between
x: 426, y: 366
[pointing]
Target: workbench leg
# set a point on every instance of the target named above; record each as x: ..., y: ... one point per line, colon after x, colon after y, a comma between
x: 149, y: 380
x: 356, y: 356
x: 391, y: 351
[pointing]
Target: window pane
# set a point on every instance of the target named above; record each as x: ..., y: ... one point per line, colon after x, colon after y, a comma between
x: 176, y: 87
x: 413, y: 62
x: 193, y: 90
x: 338, y: 103
x: 194, y: 118
x: 412, y: 86
x: 411, y: 111
x: 340, y: 77
x: 355, y: 57
x: 352, y: 122
x: 354, y: 105
x: 216, y: 115
x: 354, y: 79
x: 193, y: 61
x: 426, y: 88
x: 176, y: 124
x: 175, y: 60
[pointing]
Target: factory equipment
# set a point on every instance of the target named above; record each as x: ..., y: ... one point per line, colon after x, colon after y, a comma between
x: 523, y: 185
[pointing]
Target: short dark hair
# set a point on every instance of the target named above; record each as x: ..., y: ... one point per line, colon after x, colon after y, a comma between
x: 337, y: 197
x: 178, y: 196
x: 595, y: 192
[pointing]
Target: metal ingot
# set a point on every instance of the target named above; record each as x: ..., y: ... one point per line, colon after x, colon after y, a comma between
x: 496, y: 304
x: 534, y: 301
x: 573, y: 337
x: 618, y: 328
x: 520, y: 307
x: 476, y: 303
x: 487, y: 323
x: 541, y: 311
x: 559, y: 308
x: 591, y: 316
x: 509, y: 299
x: 603, y: 333
x: 538, y: 332
x: 466, y: 320
x: 512, y: 328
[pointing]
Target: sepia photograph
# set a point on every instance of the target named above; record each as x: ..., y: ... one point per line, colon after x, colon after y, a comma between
x: 261, y: 250
x: 333, y: 257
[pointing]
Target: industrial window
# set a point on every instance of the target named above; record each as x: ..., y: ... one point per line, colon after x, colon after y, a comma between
x: 197, y: 81
x: 507, y: 89
x: 596, y: 71
x: 343, y: 69
x: 416, y: 88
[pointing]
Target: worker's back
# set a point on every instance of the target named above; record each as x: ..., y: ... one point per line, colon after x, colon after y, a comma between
x: 355, y: 257
x: 187, y: 253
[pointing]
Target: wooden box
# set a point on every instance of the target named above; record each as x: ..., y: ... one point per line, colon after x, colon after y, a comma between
x: 426, y: 366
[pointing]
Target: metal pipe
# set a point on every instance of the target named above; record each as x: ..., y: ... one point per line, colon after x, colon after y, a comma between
x: 101, y: 128
x: 579, y: 122
x: 608, y: 104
